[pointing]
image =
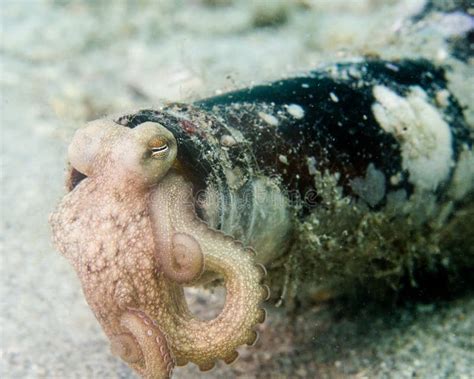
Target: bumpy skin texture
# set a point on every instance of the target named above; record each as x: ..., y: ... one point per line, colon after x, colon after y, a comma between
x: 130, y: 231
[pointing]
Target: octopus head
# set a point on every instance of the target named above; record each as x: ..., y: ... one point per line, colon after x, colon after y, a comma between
x: 142, y: 155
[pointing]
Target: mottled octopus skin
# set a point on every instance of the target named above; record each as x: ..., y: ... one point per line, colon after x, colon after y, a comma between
x: 130, y: 231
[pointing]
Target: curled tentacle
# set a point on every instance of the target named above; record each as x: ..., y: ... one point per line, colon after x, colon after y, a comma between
x: 126, y: 347
x: 203, y: 342
x: 145, y: 348
x: 219, y: 338
x: 178, y: 254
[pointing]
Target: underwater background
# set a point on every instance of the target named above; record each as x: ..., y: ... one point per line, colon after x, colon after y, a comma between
x: 64, y: 63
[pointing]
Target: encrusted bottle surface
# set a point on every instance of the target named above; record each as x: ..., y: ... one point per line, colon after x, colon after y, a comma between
x: 374, y: 133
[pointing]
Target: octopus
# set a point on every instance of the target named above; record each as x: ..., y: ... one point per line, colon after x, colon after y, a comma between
x: 128, y: 227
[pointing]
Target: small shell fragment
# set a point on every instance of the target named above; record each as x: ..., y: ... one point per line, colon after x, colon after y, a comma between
x: 228, y: 141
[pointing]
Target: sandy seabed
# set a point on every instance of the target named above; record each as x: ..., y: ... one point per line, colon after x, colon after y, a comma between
x: 64, y: 63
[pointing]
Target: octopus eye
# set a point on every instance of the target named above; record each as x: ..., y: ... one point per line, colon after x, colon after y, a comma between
x: 158, y: 147
x: 159, y: 150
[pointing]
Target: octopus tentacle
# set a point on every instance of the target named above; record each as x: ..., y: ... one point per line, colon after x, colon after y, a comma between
x: 203, y: 342
x: 145, y: 348
x: 126, y: 347
x: 178, y: 254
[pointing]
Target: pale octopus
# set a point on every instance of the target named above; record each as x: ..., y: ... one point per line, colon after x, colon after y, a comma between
x: 130, y: 230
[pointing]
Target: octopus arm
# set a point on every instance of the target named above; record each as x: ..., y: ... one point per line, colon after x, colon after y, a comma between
x: 178, y: 255
x: 144, y: 347
x: 203, y: 342
x: 206, y: 341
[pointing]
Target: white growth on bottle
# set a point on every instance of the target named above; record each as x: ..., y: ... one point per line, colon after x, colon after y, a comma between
x: 425, y: 138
